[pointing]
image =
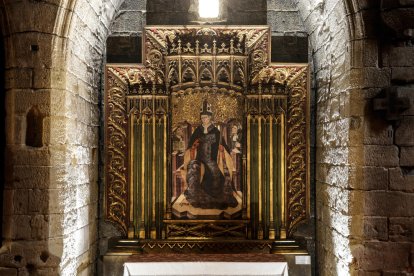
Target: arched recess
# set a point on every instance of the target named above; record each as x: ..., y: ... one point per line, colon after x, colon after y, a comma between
x: 336, y: 40
x: 82, y: 28
x: 51, y: 205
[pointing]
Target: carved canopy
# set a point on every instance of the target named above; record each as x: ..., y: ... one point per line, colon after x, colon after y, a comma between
x: 181, y: 61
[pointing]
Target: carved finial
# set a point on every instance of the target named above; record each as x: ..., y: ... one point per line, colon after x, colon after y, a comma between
x: 173, y: 49
x: 231, y: 47
x: 197, y: 45
x: 179, y: 47
x: 214, y: 47
x: 188, y: 48
x: 154, y: 89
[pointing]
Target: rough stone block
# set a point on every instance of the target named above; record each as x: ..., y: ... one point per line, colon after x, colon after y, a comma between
x: 56, y: 246
x: 388, y: 204
x: 21, y: 201
x: 134, y: 5
x: 400, y: 181
x: 381, y: 156
x: 127, y: 21
x: 377, y: 131
x: 42, y: 78
x: 35, y: 253
x: 58, y: 79
x: 56, y: 202
x: 369, y: 178
x: 384, y: 256
x: 18, y: 133
x: 370, y: 53
x: 84, y: 242
x: 401, y: 229
x: 335, y: 133
x: 404, y: 133
x: 333, y: 156
x: 247, y: 18
x: 407, y: 92
x: 335, y: 175
x: 30, y: 11
x: 18, y: 78
x: 40, y: 227
x: 55, y: 225
x: 20, y: 229
x: 284, y: 21
x: 401, y: 56
x: 328, y: 109
x: 8, y: 202
x: 26, y: 156
x: 160, y: 18
x: 58, y: 128
x: 376, y: 228
x: 407, y: 156
x: 403, y: 74
x: 284, y: 5
x: 27, y: 98
x: 8, y: 271
x: 39, y: 201
x: 32, y: 50
x: 374, y: 77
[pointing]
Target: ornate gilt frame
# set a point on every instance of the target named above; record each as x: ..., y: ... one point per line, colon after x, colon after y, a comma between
x: 143, y: 91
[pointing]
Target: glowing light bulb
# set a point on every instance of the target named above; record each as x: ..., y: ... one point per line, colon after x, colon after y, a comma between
x: 208, y: 8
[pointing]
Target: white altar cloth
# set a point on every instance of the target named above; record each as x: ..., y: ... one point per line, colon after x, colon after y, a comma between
x: 206, y: 268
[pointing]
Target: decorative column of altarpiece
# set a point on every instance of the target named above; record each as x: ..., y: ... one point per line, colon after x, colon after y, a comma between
x: 211, y: 62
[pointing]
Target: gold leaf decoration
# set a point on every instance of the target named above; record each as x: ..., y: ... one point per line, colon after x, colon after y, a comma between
x: 225, y: 105
x: 115, y: 153
x: 297, y: 155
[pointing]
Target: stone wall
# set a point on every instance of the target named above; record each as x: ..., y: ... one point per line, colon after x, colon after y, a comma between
x: 329, y: 39
x: 382, y: 238
x: 289, y: 37
x: 364, y: 193
x: 54, y: 53
x: 364, y: 163
x: 124, y: 42
x: 185, y: 12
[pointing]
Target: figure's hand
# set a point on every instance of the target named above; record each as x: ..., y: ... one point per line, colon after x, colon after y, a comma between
x: 235, y: 150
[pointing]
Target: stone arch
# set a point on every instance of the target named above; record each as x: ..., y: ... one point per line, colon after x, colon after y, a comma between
x: 56, y: 66
x: 54, y: 62
x: 329, y: 42
x: 82, y: 29
x: 344, y: 55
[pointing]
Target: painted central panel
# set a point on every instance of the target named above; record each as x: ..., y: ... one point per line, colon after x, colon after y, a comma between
x: 207, y: 146
x: 207, y: 140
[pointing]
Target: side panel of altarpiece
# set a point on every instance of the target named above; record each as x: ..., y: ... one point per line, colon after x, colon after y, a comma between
x: 207, y: 139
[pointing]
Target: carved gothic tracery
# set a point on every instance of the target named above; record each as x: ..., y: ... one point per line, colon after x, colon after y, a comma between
x: 181, y: 62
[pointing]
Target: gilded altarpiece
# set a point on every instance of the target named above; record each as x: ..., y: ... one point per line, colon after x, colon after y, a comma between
x: 254, y: 184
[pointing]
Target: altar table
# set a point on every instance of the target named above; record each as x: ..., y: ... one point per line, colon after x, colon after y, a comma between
x: 206, y: 265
